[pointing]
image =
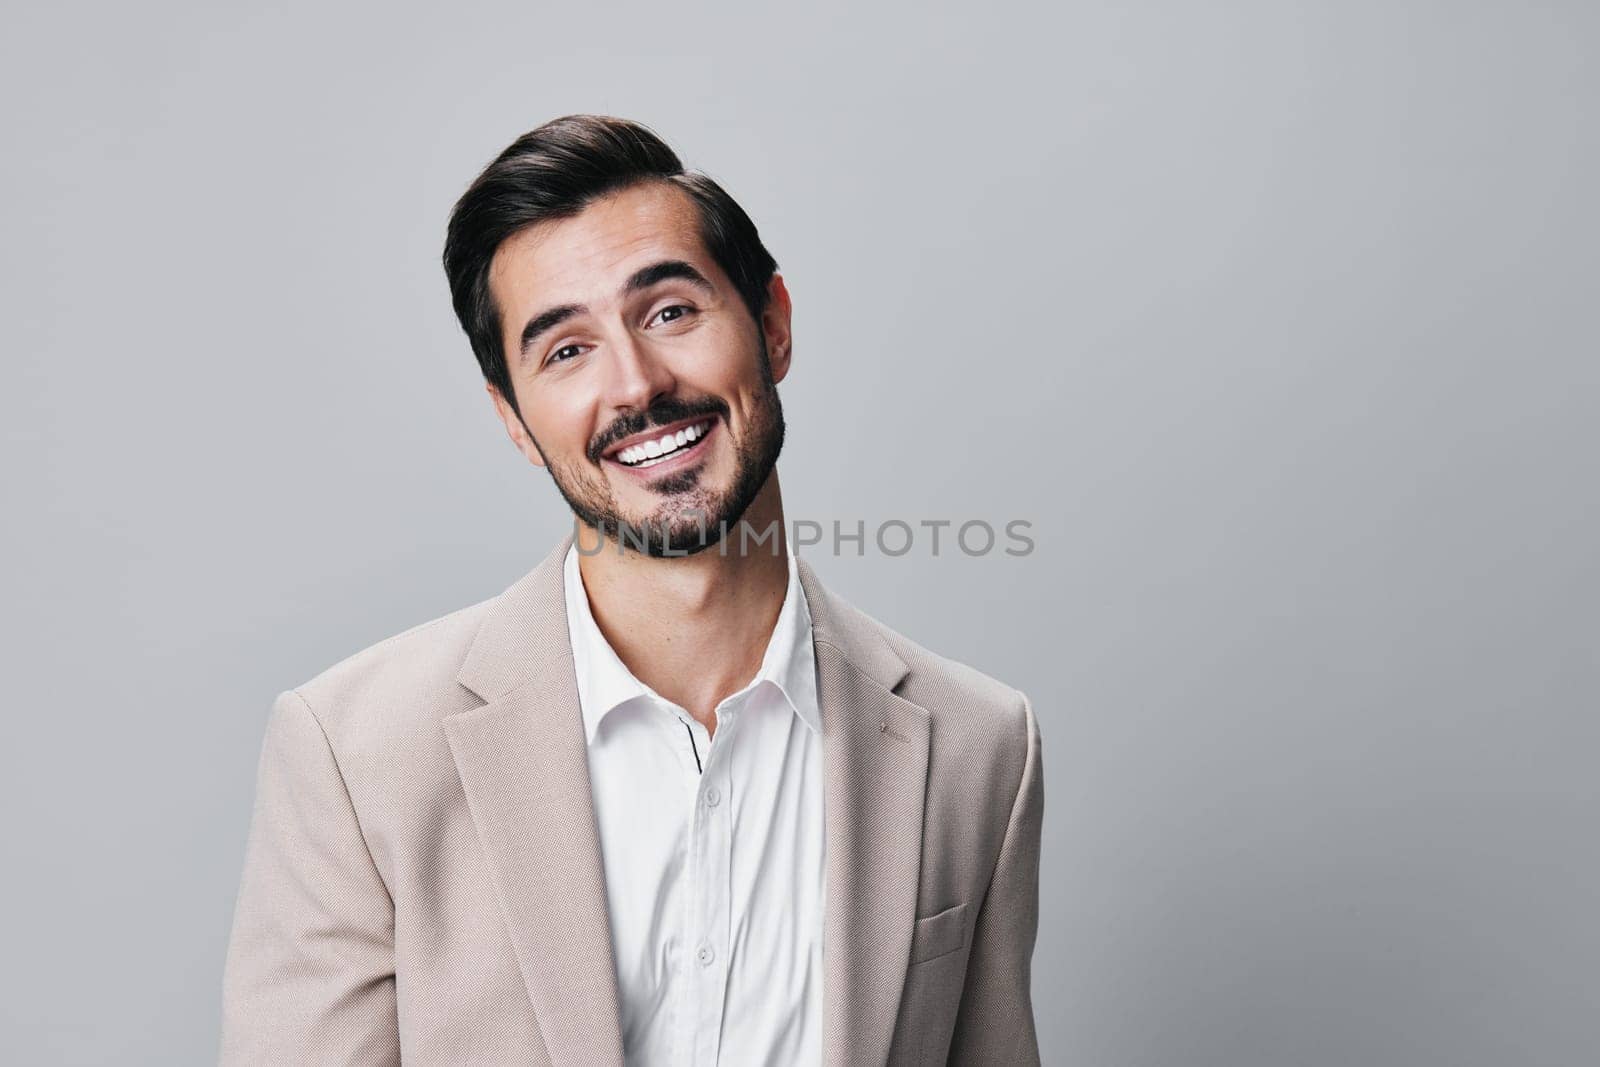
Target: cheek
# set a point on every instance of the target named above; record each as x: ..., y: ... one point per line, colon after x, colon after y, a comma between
x: 734, y: 375
x: 724, y: 352
x: 563, y: 424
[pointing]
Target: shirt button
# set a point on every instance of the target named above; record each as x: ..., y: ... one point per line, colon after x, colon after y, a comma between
x: 713, y: 797
x: 705, y: 955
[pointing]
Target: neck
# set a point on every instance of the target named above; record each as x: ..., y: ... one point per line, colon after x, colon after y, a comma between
x: 694, y: 628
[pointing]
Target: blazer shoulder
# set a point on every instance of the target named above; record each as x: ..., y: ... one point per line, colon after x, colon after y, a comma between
x: 413, y: 671
x: 984, y: 732
x: 946, y: 686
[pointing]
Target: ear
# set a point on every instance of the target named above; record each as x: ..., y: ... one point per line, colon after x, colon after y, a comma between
x: 514, y: 429
x: 775, y: 325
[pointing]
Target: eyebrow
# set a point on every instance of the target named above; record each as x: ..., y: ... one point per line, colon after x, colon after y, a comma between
x: 643, y: 278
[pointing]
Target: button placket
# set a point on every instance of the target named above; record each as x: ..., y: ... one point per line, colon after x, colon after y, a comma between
x: 710, y: 894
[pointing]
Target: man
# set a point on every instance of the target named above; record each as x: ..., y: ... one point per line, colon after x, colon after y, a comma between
x: 665, y: 800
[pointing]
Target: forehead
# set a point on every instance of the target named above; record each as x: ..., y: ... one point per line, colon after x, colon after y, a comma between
x: 585, y: 259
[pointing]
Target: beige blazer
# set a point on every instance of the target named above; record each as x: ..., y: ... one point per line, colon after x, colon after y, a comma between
x: 423, y: 879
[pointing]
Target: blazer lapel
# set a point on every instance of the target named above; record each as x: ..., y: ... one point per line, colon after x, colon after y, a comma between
x: 875, y: 768
x: 524, y: 766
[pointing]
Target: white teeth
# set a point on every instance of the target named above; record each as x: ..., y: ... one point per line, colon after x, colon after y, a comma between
x: 663, y: 447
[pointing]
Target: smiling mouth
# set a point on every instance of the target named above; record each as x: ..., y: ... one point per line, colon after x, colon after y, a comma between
x: 666, y: 447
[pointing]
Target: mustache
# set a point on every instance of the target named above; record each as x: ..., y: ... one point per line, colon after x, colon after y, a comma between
x: 663, y: 410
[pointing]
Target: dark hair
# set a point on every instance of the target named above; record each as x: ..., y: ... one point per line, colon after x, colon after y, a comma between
x: 554, y: 172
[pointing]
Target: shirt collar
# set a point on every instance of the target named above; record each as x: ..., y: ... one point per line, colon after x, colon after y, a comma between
x: 605, y: 682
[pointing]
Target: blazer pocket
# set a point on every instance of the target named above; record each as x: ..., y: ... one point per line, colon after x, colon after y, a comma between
x: 939, y: 934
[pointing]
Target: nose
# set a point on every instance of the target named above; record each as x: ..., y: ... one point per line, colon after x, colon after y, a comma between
x: 635, y: 374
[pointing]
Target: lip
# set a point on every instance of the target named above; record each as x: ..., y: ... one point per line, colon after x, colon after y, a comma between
x: 680, y: 459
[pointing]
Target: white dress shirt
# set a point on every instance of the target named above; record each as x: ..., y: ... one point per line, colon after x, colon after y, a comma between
x: 713, y: 850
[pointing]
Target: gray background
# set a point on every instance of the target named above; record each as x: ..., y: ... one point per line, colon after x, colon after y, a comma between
x: 1276, y: 320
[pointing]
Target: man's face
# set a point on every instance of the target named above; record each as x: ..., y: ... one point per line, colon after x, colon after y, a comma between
x: 620, y: 330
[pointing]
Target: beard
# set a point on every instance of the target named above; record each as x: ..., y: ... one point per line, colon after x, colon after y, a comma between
x: 691, y: 517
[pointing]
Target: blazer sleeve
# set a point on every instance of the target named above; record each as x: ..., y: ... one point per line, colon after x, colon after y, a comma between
x: 309, y: 976
x: 994, y: 1024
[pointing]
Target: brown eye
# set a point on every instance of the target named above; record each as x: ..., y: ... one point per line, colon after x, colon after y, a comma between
x: 558, y: 357
x: 674, y: 312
